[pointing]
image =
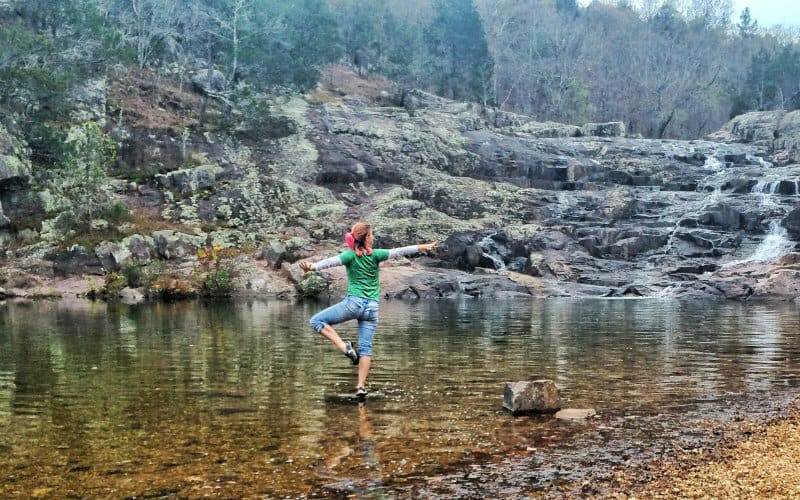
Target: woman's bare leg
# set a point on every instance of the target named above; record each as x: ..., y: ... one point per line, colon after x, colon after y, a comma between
x: 329, y: 333
x: 364, y: 363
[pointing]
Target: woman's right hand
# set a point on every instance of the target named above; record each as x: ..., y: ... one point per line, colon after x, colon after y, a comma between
x: 306, y: 266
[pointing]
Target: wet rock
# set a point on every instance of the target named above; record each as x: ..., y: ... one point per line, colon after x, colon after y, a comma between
x: 131, y: 296
x: 575, y: 414
x: 536, y: 396
x: 792, y: 224
x: 724, y: 216
x: 2, y: 293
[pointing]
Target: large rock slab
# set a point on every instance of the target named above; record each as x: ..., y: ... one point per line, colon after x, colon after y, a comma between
x: 533, y: 396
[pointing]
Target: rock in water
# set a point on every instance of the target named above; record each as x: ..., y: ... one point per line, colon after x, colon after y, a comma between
x: 535, y: 396
x: 575, y: 414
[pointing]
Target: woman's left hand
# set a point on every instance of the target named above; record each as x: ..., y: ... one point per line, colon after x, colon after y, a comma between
x: 427, y: 247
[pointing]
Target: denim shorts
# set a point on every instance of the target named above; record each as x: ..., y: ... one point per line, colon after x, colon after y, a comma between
x: 364, y: 310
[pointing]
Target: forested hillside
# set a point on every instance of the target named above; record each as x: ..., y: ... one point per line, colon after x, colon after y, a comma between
x: 675, y: 69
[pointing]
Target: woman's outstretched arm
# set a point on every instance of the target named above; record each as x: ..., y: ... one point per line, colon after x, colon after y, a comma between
x: 410, y: 250
x: 323, y: 264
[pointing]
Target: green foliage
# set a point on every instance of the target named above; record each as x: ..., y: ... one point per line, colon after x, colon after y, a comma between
x: 772, y: 78
x: 295, y: 49
x: 80, y: 185
x: 215, y: 276
x: 116, y: 212
x: 151, y: 273
x: 133, y: 274
x: 462, y: 67
x: 113, y: 285
x: 747, y: 26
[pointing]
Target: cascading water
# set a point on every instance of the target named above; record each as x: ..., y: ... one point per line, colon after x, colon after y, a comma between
x: 715, y: 184
x: 488, y: 246
x: 775, y: 244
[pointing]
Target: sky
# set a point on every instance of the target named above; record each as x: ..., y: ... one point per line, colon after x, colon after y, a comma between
x: 770, y: 12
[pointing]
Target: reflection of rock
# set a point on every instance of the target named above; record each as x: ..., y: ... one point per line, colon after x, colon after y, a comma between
x: 537, y: 396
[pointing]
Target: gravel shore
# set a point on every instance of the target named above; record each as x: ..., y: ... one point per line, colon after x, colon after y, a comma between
x: 760, y: 460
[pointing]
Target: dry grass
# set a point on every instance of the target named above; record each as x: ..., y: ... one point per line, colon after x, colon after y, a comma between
x: 339, y: 80
x: 146, y: 99
x: 146, y: 221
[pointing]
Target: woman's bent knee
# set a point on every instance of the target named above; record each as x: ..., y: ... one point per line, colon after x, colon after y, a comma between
x: 317, y: 324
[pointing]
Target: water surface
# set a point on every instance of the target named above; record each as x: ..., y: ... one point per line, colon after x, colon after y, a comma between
x: 243, y: 399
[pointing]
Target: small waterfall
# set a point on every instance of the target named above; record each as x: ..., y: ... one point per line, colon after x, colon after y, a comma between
x: 489, y: 245
x: 711, y: 199
x: 499, y: 265
x: 714, y: 163
x: 775, y: 244
x: 765, y: 187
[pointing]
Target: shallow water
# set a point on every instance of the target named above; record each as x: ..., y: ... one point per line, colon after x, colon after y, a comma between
x: 245, y: 400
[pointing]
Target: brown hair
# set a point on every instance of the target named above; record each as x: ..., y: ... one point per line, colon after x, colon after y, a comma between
x: 362, y: 233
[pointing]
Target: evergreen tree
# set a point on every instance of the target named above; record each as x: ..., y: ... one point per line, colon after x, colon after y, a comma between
x: 308, y: 40
x: 748, y: 27
x: 461, y: 63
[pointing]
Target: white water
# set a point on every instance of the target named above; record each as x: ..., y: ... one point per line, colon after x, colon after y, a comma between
x: 771, y: 187
x: 774, y: 245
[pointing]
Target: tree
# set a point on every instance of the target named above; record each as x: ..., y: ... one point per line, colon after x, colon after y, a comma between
x: 748, y: 27
x: 80, y: 184
x: 462, y: 66
x: 308, y: 39
x: 151, y: 22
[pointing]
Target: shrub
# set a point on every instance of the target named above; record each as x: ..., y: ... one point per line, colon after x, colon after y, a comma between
x: 216, y: 279
x: 114, y: 283
x: 133, y: 274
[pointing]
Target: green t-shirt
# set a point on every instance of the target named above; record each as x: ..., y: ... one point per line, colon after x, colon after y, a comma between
x: 362, y: 272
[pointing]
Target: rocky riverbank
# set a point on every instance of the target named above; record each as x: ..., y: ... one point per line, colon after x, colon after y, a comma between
x: 520, y: 207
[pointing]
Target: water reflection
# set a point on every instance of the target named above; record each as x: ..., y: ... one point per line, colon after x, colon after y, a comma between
x: 242, y: 399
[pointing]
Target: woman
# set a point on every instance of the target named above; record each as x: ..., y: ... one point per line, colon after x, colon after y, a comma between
x: 363, y: 292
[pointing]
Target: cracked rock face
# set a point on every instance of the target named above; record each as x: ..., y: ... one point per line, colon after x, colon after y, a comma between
x: 519, y: 206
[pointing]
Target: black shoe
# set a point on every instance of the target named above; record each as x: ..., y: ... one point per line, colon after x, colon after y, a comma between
x: 350, y: 352
x: 361, y: 394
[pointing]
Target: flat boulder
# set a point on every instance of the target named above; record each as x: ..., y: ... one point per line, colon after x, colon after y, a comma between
x: 533, y: 396
x: 575, y: 414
